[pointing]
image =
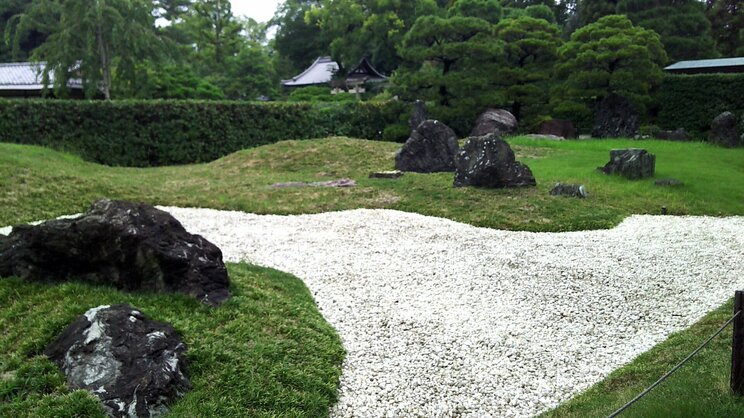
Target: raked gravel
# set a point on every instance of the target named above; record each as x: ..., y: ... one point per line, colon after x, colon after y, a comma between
x: 444, y: 319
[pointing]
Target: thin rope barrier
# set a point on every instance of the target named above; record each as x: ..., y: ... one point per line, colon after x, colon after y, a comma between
x: 680, y: 364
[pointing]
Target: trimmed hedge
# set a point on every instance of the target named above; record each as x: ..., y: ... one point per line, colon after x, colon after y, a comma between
x: 692, y: 101
x: 167, y: 132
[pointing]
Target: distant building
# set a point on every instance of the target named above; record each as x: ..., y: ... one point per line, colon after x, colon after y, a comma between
x: 364, y: 73
x: 319, y: 73
x: 24, y: 80
x: 722, y: 65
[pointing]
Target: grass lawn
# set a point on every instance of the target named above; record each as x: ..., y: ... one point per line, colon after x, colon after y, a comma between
x: 268, y: 352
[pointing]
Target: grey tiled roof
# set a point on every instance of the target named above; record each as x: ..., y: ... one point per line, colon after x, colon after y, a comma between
x: 320, y: 72
x: 27, y: 76
x: 713, y: 63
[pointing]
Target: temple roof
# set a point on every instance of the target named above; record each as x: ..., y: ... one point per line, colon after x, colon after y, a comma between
x: 27, y: 76
x: 320, y: 72
x: 733, y: 65
x: 364, y: 72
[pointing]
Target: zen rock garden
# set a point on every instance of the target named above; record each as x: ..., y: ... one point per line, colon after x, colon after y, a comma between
x: 135, y: 366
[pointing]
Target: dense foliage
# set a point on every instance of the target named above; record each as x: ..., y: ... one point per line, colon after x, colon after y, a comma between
x: 153, y: 133
x: 449, y: 62
x: 692, y: 101
x: 610, y: 56
x: 460, y: 56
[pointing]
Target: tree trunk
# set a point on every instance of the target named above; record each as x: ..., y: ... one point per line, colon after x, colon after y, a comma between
x: 105, y: 63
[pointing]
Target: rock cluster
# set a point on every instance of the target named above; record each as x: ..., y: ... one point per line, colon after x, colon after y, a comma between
x: 122, y: 244
x: 136, y: 366
x: 631, y: 163
x: 430, y: 149
x: 488, y: 161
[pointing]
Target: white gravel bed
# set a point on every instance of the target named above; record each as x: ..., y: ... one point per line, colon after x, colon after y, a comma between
x: 444, y: 319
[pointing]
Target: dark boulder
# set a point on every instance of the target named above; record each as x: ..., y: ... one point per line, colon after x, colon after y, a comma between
x: 615, y: 117
x: 631, y: 163
x: 122, y: 244
x: 430, y: 149
x: 676, y: 135
x: 570, y: 190
x: 557, y: 127
x: 418, y: 115
x: 488, y: 161
x: 495, y: 121
x: 135, y: 366
x: 723, y: 131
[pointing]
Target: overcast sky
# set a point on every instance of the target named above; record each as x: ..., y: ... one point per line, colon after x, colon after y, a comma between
x: 261, y: 10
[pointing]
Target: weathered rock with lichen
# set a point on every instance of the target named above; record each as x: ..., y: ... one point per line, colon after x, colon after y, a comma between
x: 135, y: 366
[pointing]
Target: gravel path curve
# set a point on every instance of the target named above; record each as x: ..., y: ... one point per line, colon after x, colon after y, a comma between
x: 441, y: 318
x: 444, y: 319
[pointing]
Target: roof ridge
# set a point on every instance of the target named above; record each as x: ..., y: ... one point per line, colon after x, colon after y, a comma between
x: 22, y: 63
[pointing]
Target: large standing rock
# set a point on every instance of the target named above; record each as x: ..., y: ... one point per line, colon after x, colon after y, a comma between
x: 488, y: 161
x: 631, y: 163
x: 495, y: 121
x: 126, y: 245
x: 615, y: 117
x: 557, y: 127
x: 430, y: 149
x: 723, y: 131
x: 134, y: 365
x: 418, y: 115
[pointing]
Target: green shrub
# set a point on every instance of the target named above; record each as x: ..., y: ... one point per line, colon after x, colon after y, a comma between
x: 397, y: 133
x: 692, y: 101
x: 155, y: 133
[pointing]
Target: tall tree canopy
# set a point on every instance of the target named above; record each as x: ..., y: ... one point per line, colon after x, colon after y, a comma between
x: 355, y: 29
x: 684, y: 29
x: 727, y: 21
x: 449, y: 62
x: 606, y: 57
x: 214, y: 30
x: 530, y: 53
x: 489, y: 10
x: 100, y: 40
x: 297, y: 41
x: 19, y: 48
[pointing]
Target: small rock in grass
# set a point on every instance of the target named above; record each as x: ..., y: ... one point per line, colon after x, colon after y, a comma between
x: 331, y: 183
x: 394, y: 174
x: 668, y: 182
x: 631, y: 163
x: 570, y: 190
x: 135, y: 366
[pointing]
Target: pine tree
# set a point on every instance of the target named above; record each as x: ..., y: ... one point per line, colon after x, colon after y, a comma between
x: 449, y: 63
x: 530, y: 53
x: 610, y: 56
x: 684, y: 29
